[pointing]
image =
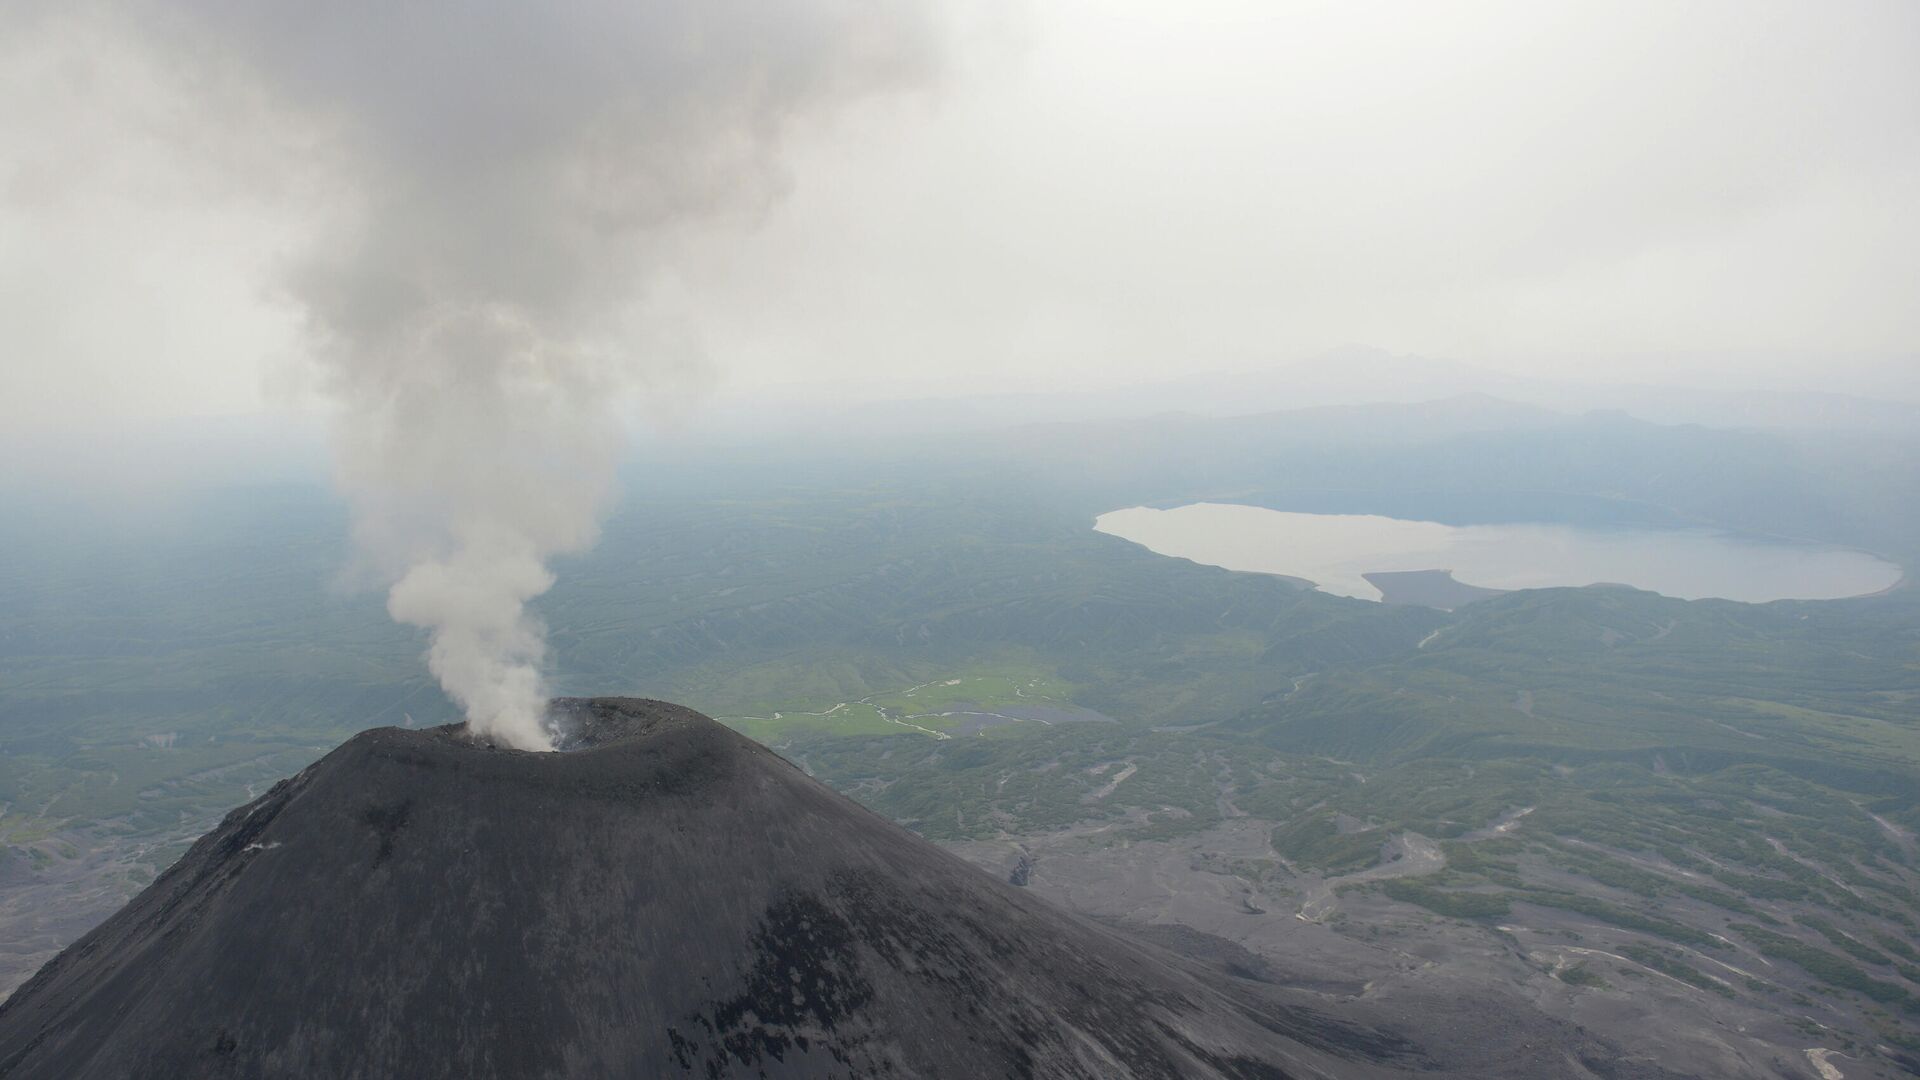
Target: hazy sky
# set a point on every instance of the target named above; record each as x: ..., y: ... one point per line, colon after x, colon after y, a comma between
x: 1093, y: 191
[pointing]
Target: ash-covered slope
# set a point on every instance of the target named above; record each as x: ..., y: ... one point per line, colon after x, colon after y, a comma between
x: 665, y: 899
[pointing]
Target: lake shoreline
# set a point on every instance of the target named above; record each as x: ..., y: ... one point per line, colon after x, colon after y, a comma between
x: 1429, y: 564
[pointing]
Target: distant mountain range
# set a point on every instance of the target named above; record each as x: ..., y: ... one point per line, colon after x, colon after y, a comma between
x: 1345, y: 377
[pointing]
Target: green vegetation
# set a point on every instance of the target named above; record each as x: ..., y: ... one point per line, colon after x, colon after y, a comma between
x: 1454, y: 905
x: 1316, y: 841
x: 1894, y: 945
x: 1847, y: 944
x: 1581, y: 975
x: 968, y: 701
x: 1668, y: 962
x: 1623, y: 918
x: 1825, y: 966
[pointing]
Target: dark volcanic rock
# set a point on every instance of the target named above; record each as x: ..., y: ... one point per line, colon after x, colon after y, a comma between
x: 666, y: 899
x: 1022, y: 871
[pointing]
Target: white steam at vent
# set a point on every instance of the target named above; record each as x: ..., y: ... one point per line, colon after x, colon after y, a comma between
x: 500, y: 181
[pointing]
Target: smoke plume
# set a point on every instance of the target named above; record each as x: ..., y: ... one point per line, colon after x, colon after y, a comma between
x: 501, y: 180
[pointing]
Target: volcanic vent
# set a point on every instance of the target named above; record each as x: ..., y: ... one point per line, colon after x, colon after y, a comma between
x: 666, y: 899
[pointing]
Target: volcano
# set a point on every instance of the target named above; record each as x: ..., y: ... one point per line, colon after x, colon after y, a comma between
x: 664, y: 898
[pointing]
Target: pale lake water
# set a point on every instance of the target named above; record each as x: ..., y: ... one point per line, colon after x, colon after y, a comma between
x: 1334, y: 550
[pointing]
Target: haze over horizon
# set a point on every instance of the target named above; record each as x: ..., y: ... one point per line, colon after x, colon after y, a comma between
x: 1087, y: 196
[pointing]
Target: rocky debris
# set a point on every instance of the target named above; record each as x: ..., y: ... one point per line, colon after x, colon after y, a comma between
x: 1022, y: 870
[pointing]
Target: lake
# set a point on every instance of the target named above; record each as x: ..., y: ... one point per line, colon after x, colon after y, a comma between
x: 1340, y: 552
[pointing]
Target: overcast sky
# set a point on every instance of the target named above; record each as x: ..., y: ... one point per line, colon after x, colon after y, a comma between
x: 1095, y: 191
